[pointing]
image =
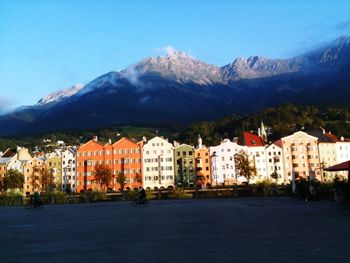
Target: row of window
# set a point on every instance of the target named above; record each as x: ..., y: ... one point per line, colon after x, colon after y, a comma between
x: 156, y: 168
x: 108, y: 152
x: 156, y: 152
x: 156, y: 178
x: 184, y: 153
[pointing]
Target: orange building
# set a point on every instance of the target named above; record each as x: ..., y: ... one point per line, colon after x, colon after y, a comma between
x: 124, y: 156
x: 127, y: 160
x: 89, y: 155
x: 202, y: 164
x: 34, y: 170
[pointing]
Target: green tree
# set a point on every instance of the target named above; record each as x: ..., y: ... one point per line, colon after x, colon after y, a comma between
x: 103, y: 175
x: 13, y: 180
x: 244, y: 167
x: 121, y: 179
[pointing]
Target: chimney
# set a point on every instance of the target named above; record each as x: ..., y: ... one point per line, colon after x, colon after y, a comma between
x: 144, y: 139
x: 94, y: 138
x: 109, y: 141
x: 342, y: 138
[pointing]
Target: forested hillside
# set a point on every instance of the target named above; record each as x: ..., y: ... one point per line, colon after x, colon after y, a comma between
x: 280, y: 121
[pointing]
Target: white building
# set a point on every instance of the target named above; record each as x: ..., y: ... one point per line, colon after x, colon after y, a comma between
x: 223, y: 162
x: 158, y: 163
x: 275, y: 162
x: 68, y: 157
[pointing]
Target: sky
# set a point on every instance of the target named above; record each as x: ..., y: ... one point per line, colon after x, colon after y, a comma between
x: 48, y: 45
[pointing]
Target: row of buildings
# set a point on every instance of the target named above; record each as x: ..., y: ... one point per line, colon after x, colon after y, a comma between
x: 162, y: 164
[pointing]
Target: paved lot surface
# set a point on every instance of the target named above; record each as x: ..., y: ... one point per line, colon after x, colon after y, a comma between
x: 225, y: 230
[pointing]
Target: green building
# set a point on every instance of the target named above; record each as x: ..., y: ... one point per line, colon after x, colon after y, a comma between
x: 54, y: 172
x: 184, y: 161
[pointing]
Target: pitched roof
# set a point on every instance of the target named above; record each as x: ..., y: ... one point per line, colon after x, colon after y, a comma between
x: 9, y: 153
x: 251, y: 139
x: 125, y: 138
x: 344, y: 166
x: 278, y: 143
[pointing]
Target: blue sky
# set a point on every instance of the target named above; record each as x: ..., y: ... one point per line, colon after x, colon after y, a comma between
x: 49, y: 45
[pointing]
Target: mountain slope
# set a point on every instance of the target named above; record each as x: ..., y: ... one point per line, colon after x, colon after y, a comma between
x: 177, y: 88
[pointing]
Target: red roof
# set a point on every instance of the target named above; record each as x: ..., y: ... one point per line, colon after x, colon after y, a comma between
x: 332, y: 137
x: 278, y: 143
x: 251, y: 139
x: 9, y: 153
x: 344, y: 166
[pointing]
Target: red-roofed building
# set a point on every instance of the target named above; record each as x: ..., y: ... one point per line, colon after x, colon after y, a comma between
x: 257, y: 154
x: 252, y: 140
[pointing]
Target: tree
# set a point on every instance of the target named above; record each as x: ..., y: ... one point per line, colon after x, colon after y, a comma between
x: 244, y: 167
x: 121, y: 179
x: 13, y: 180
x: 103, y: 175
x: 138, y: 178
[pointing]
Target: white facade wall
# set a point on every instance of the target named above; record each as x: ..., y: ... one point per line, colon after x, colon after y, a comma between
x: 69, y: 169
x: 328, y: 157
x: 342, y: 155
x: 158, y: 163
x: 14, y: 164
x: 275, y: 162
x: 257, y: 155
x: 342, y: 151
x: 223, y: 162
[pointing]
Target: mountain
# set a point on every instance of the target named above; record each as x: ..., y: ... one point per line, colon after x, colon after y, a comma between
x: 59, y: 95
x: 177, y: 88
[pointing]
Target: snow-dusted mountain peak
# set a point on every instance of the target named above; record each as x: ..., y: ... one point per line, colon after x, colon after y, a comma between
x: 60, y: 94
x: 179, y: 66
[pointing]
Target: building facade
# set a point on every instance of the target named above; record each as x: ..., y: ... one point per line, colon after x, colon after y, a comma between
x: 301, y: 155
x: 184, y: 166
x: 223, y: 163
x: 89, y: 155
x: 127, y: 159
x: 158, y: 164
x: 69, y: 174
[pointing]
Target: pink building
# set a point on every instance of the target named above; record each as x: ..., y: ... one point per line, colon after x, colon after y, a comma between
x: 301, y: 155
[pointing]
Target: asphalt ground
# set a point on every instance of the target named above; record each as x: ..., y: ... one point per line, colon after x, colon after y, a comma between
x: 266, y: 229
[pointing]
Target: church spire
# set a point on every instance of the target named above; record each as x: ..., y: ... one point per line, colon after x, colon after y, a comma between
x: 263, y: 133
x: 199, y: 141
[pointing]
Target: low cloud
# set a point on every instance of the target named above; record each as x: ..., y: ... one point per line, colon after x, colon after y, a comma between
x: 6, y: 105
x: 168, y: 50
x: 132, y: 75
x: 342, y: 26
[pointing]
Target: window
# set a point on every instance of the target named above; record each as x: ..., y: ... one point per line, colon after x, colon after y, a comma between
x: 108, y: 152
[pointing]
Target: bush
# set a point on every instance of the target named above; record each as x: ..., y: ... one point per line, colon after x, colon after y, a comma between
x: 266, y: 187
x: 179, y: 193
x: 96, y: 196
x: 342, y: 187
x: 12, y: 197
